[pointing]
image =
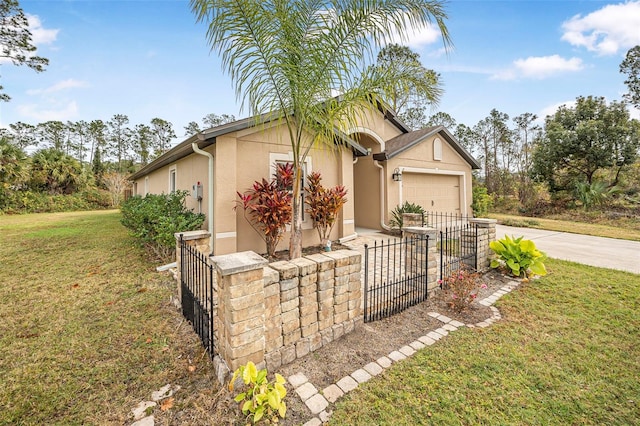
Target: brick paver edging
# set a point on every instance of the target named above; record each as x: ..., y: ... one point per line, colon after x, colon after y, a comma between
x: 318, y: 401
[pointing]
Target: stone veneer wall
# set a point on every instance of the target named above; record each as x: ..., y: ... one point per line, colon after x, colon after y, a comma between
x: 273, y: 314
x: 414, y: 233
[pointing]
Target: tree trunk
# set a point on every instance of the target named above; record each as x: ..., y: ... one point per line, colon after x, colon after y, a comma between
x: 295, y: 242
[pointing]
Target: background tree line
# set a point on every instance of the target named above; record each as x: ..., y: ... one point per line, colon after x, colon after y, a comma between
x: 585, y: 155
x: 90, y: 160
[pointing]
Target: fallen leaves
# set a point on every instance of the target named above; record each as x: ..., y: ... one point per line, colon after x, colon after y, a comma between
x: 167, y: 404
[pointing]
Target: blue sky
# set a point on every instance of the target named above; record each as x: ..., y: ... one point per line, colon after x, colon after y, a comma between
x: 149, y: 58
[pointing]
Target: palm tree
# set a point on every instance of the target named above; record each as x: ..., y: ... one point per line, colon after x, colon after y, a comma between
x: 288, y: 59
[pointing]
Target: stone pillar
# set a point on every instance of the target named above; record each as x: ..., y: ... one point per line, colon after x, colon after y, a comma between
x: 355, y: 288
x: 308, y: 305
x: 486, y: 234
x: 241, y: 308
x: 432, y: 259
x: 198, y: 239
x: 290, y: 307
x: 325, y: 284
x: 273, y: 319
x: 411, y: 220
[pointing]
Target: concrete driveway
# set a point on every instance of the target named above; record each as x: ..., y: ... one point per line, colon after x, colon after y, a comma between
x: 595, y: 251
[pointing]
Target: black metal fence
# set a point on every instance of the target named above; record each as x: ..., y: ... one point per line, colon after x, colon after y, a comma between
x: 197, y: 288
x: 458, y: 249
x: 395, y: 276
x: 441, y: 221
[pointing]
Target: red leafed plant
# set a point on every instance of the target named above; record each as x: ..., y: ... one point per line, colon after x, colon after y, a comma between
x: 324, y: 205
x: 267, y: 206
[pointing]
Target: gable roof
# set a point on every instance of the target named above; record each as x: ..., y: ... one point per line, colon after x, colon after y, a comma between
x: 405, y: 141
x: 208, y: 137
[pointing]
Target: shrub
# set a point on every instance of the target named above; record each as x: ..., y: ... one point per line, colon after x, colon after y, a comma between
x: 407, y: 207
x: 519, y: 256
x: 261, y: 399
x: 154, y: 219
x: 594, y: 193
x: 482, y: 201
x: 462, y: 287
x: 267, y: 206
x: 97, y: 198
x: 324, y: 205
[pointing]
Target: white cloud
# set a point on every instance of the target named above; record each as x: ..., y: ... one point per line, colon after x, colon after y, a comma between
x: 606, y: 31
x: 61, y: 85
x: 552, y: 109
x: 39, y: 34
x: 415, y: 37
x: 539, y: 67
x: 63, y: 112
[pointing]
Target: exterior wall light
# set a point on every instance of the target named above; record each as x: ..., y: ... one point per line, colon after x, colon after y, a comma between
x: 397, y: 175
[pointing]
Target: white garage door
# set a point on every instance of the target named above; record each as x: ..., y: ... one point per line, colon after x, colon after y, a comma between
x: 440, y: 193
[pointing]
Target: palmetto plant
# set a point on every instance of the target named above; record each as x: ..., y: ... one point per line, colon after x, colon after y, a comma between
x: 288, y: 60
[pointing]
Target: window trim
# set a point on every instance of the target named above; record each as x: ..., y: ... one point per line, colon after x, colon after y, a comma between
x: 437, y: 149
x: 277, y: 157
x: 173, y: 179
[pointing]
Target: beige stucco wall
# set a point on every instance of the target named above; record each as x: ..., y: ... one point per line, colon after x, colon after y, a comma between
x: 256, y: 148
x: 246, y: 156
x: 419, y: 159
x: 189, y: 171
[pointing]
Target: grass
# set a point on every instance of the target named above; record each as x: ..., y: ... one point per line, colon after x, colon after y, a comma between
x: 87, y: 328
x: 566, y: 352
x: 624, y: 229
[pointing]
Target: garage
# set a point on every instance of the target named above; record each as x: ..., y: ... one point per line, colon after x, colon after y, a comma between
x: 434, y: 192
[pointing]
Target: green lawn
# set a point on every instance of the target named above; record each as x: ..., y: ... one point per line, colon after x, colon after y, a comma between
x: 87, y: 332
x: 621, y: 228
x: 87, y: 328
x: 566, y: 352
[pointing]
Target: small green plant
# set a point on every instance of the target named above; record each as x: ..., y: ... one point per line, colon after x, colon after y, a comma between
x: 324, y: 205
x: 462, y: 288
x: 396, y: 221
x: 519, y: 256
x: 262, y: 398
x: 267, y: 206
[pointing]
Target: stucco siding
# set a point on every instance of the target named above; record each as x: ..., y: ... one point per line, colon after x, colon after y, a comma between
x: 419, y: 162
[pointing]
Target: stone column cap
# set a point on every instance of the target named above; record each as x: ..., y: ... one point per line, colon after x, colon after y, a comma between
x: 229, y: 264
x: 483, y: 220
x: 192, y: 235
x: 421, y: 230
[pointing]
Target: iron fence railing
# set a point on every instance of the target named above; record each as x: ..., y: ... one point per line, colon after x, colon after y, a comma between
x: 395, y: 276
x: 458, y: 249
x: 197, y: 289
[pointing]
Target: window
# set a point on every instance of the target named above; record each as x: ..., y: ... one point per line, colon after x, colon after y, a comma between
x: 172, y: 179
x: 275, y: 158
x: 146, y: 185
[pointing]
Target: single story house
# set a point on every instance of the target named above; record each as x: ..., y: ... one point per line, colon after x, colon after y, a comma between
x: 381, y: 162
